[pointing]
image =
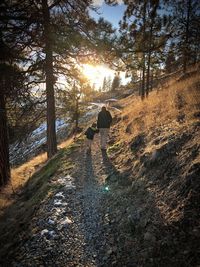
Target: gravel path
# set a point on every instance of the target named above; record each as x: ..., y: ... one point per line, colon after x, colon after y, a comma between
x: 71, y: 228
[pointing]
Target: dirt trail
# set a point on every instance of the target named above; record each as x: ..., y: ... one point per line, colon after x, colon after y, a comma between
x: 71, y: 227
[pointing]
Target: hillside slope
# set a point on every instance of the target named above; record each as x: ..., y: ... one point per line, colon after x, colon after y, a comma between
x: 136, y: 205
x: 156, y: 148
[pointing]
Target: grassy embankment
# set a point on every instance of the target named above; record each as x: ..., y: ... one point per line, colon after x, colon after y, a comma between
x: 155, y: 196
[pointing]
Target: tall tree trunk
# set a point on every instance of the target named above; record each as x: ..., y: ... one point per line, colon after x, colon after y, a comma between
x: 4, y: 148
x: 143, y: 77
x: 149, y: 60
x: 153, y: 15
x: 144, y: 54
x: 148, y: 73
x: 76, y: 114
x: 152, y: 80
x: 186, y: 48
x: 51, y: 128
x: 140, y: 84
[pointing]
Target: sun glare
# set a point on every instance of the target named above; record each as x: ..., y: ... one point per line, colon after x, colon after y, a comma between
x: 95, y: 74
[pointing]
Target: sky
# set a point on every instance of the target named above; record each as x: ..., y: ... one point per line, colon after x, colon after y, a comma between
x: 111, y: 13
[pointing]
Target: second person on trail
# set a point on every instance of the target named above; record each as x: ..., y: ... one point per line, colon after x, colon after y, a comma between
x: 103, y: 124
x: 90, y: 132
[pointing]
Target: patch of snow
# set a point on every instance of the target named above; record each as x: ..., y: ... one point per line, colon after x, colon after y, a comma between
x: 44, y: 232
x: 65, y: 222
x: 21, y: 150
x: 51, y: 222
x: 57, y: 203
x: 69, y: 177
x: 57, y: 211
x: 60, y: 123
x: 98, y: 104
x: 40, y: 129
x: 70, y: 186
x: 67, y: 182
x: 59, y: 195
x: 111, y: 100
x: 52, y: 233
x: 116, y: 109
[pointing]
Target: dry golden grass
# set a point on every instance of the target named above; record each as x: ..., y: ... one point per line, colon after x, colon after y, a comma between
x: 66, y: 143
x: 21, y: 174
x: 164, y: 106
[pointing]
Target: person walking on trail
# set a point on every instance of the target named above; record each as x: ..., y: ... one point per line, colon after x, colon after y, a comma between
x: 90, y: 132
x: 103, y: 124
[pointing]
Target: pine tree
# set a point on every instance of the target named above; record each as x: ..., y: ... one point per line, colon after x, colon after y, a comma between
x: 109, y: 84
x: 170, y: 60
x: 104, y: 85
x: 116, y: 82
x: 153, y: 18
x: 11, y: 83
x: 143, y: 38
x: 73, y: 96
x: 38, y: 26
x: 51, y: 116
x: 186, y: 30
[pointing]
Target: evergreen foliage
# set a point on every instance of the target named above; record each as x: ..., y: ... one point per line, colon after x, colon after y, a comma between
x: 116, y: 82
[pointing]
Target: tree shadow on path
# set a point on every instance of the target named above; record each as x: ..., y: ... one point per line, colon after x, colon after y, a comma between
x: 91, y: 215
x: 89, y: 174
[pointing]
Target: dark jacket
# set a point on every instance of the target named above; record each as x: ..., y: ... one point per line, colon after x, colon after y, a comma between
x: 104, y: 119
x: 90, y: 132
